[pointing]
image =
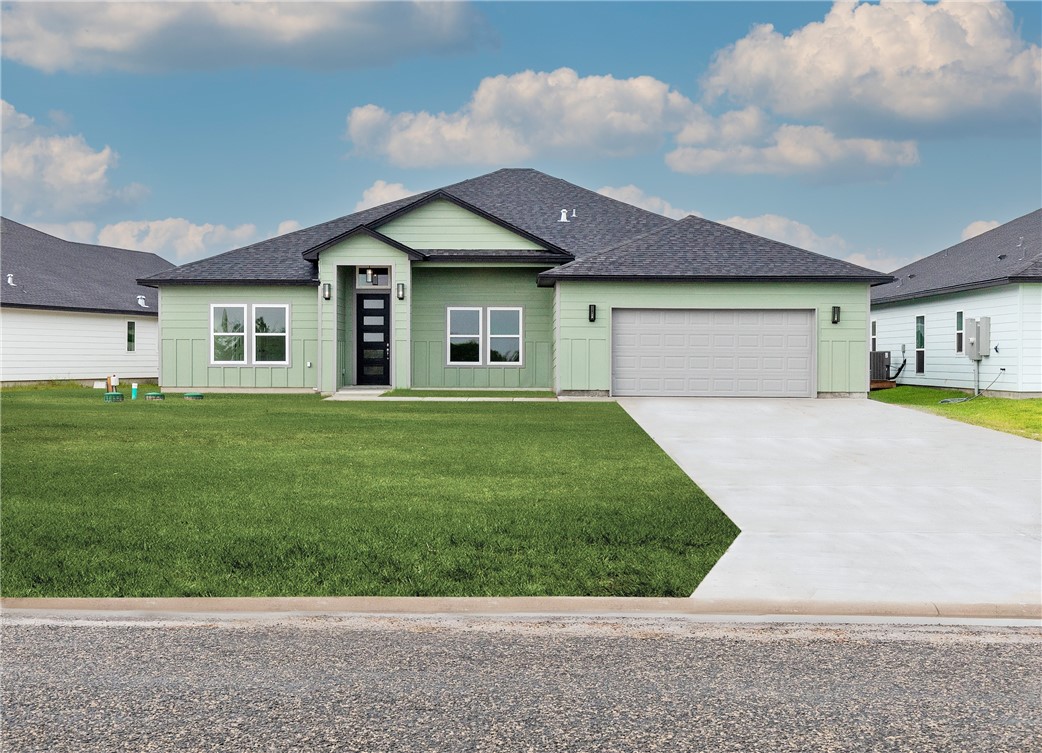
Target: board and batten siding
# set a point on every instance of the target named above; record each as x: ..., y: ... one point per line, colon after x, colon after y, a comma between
x: 185, y: 336
x: 337, y: 266
x: 437, y: 287
x: 583, y: 348
x: 1016, y: 328
x: 442, y: 224
x: 40, y: 345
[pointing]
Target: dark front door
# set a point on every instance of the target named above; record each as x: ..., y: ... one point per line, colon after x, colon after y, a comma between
x: 374, y: 338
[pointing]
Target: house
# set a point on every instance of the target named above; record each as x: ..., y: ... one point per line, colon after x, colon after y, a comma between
x: 921, y: 317
x: 517, y: 279
x: 73, y: 310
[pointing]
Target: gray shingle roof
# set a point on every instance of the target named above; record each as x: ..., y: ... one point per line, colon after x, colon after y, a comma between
x: 1008, y: 253
x: 52, y: 273
x: 698, y: 249
x: 524, y: 199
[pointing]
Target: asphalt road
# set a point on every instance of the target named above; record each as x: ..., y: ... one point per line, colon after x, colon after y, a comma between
x: 503, y: 684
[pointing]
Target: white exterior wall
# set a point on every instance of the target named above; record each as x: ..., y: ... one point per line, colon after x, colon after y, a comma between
x: 38, y: 345
x: 1016, y: 328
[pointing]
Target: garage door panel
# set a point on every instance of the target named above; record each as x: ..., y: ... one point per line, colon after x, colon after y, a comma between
x: 712, y: 352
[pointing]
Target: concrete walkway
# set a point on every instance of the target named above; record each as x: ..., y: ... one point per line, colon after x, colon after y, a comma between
x: 858, y: 503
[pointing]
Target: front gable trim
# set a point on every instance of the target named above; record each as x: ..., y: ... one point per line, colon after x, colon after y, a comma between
x: 312, y: 253
x: 441, y: 194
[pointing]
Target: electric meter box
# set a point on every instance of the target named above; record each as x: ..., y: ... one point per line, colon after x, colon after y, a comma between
x: 978, y: 338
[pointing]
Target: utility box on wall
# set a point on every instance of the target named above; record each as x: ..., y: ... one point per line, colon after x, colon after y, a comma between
x: 978, y: 338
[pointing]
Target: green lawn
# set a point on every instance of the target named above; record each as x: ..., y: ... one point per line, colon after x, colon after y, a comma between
x: 1023, y: 417
x: 250, y: 495
x: 467, y: 393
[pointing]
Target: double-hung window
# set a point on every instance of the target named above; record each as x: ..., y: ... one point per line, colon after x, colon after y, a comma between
x: 480, y: 336
x: 228, y: 333
x: 242, y: 334
x: 270, y: 338
x: 959, y: 331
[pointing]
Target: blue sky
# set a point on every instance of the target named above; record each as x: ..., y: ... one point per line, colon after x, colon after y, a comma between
x: 873, y: 132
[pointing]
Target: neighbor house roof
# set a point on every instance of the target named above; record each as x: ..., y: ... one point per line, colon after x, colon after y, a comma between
x: 40, y: 271
x: 1006, y: 254
x: 525, y: 201
x: 700, y: 250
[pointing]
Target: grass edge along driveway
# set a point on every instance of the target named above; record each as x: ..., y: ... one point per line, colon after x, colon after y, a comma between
x: 1020, y: 416
x: 278, y: 495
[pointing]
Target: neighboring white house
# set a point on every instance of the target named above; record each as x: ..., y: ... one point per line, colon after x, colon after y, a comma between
x: 74, y: 311
x: 921, y: 317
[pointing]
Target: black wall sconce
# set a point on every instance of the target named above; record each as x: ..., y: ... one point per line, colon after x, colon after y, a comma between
x: 835, y: 314
x: 593, y: 312
x: 327, y: 291
x: 399, y: 291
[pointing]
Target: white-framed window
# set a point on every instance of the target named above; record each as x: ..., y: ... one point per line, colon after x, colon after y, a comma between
x: 873, y: 348
x: 959, y: 332
x: 920, y: 345
x: 503, y: 346
x: 484, y: 336
x: 464, y: 336
x: 228, y: 333
x: 131, y: 337
x: 271, y: 333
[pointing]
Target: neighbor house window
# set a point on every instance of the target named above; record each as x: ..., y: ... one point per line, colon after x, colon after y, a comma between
x: 270, y: 338
x: 504, y: 336
x: 873, y: 335
x: 464, y: 336
x: 920, y: 345
x: 228, y: 334
x: 131, y: 326
x: 958, y: 332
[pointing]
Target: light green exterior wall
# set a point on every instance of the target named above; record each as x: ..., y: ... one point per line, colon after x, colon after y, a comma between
x: 435, y: 288
x: 184, y: 336
x: 336, y: 265
x: 442, y: 224
x: 583, y: 358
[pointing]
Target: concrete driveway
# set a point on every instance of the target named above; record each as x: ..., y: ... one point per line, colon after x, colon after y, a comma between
x: 857, y: 502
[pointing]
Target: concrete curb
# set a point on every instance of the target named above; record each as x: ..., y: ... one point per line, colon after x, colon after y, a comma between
x: 553, y: 605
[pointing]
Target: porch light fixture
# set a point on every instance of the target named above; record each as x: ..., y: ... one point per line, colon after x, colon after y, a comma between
x: 369, y: 276
x: 399, y: 291
x: 593, y: 312
x: 835, y: 314
x: 327, y: 291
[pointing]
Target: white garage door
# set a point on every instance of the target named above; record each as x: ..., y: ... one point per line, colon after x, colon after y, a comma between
x: 708, y: 352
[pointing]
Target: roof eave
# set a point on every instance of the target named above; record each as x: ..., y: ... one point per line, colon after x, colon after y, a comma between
x: 151, y: 283
x: 949, y: 289
x: 549, y: 278
x: 312, y: 253
x: 83, y: 309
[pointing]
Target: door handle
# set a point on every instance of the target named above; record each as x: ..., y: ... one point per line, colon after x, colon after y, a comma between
x: 388, y: 350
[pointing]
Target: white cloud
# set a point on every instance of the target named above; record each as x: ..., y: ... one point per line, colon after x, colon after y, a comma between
x: 905, y: 63
x: 287, y: 226
x: 978, y: 227
x: 794, y: 149
x: 635, y: 196
x: 152, y: 36
x: 46, y: 174
x: 382, y: 192
x: 512, y: 118
x: 176, y: 237
x: 789, y: 231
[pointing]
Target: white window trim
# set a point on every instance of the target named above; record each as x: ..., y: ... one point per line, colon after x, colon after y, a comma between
x: 253, y: 333
x: 487, y: 349
x: 960, y: 347
x: 449, y: 336
x: 919, y: 350
x: 872, y: 336
x: 245, y: 334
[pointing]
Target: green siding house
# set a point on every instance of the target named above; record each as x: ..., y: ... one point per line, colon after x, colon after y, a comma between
x: 517, y: 279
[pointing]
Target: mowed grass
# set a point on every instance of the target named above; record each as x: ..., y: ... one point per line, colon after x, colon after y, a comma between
x: 272, y: 495
x: 1020, y: 416
x: 468, y: 393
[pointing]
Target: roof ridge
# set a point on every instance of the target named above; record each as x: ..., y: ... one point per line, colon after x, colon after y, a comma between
x: 32, y: 229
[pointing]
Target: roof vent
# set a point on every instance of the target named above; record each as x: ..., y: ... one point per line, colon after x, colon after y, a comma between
x: 564, y: 216
x: 911, y: 275
x: 1001, y: 257
x: 141, y: 302
x: 10, y: 281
